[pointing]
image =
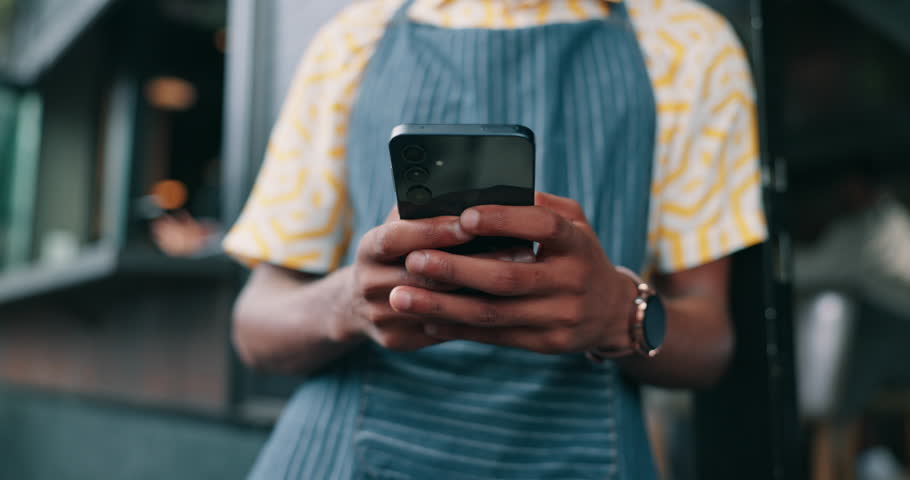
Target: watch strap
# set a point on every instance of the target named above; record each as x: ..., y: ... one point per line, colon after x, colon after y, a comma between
x: 639, y: 344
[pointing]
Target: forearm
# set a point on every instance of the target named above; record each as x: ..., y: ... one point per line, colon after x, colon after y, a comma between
x: 697, y: 349
x: 288, y: 325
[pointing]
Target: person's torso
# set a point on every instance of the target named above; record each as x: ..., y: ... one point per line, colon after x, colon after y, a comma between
x: 465, y: 410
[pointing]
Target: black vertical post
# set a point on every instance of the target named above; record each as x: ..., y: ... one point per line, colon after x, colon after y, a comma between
x: 747, y: 427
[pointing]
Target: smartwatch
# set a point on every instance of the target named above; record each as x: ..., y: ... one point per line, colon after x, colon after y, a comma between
x: 647, y: 325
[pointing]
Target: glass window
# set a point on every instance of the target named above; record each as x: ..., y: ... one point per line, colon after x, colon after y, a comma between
x: 51, y: 161
x: 66, y: 194
x: 20, y: 117
x: 8, y: 108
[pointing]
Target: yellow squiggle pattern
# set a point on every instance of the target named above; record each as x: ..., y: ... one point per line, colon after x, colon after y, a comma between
x: 706, y: 193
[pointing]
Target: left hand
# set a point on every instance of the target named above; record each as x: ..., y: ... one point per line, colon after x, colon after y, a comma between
x: 571, y: 299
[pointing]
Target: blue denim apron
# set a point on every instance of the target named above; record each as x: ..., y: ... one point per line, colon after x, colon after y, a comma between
x: 464, y: 410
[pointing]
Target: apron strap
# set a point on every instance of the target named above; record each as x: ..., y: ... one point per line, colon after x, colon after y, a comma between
x: 402, y: 14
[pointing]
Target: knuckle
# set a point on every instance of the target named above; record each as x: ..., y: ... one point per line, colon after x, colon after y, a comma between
x: 575, y: 205
x: 409, y: 279
x: 441, y: 266
x: 384, y: 238
x: 557, y: 341
x: 426, y: 231
x: 392, y: 342
x: 491, y: 219
x: 489, y: 315
x: 572, y: 315
x: 564, y: 340
x: 361, y: 289
x: 507, y: 280
x: 404, y: 277
x: 575, y: 284
x: 552, y: 227
x: 431, y: 305
x: 397, y: 341
x: 539, y: 278
x: 428, y: 284
x: 438, y: 231
x: 368, y: 285
x: 384, y: 339
x: 359, y: 307
x: 572, y: 277
x: 377, y: 317
x: 587, y: 229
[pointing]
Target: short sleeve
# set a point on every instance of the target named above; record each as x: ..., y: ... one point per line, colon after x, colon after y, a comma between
x: 706, y: 195
x: 298, y: 214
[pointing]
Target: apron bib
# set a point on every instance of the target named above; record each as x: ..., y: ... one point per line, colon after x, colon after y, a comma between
x: 463, y: 410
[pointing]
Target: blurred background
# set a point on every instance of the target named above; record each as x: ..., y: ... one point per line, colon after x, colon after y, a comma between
x: 130, y: 133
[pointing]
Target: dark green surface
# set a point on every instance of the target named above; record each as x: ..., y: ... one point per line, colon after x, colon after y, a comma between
x: 57, y: 437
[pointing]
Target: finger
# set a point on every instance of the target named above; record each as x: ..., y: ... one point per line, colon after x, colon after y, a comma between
x: 381, y: 279
x: 397, y: 331
x: 184, y: 217
x: 475, y: 310
x: 525, y: 338
x: 400, y: 237
x: 165, y: 220
x: 537, y: 224
x: 493, y: 276
x: 406, y: 342
x: 566, y: 207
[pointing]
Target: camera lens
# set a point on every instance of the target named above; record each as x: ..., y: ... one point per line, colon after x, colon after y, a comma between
x: 417, y: 175
x: 419, y: 195
x: 413, y: 154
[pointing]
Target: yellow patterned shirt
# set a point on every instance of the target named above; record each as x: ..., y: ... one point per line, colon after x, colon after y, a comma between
x: 706, y: 187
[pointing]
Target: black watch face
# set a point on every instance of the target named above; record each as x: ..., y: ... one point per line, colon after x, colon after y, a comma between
x: 655, y: 325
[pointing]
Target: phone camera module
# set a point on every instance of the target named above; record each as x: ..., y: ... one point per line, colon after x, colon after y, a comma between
x: 413, y: 154
x: 420, y: 195
x: 417, y: 175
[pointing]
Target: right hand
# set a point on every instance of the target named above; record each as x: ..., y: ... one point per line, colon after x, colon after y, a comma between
x: 379, y: 268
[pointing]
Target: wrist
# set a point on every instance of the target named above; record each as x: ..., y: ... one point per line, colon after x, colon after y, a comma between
x: 342, y: 326
x: 640, y: 332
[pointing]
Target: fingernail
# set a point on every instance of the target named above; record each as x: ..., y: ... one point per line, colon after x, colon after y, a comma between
x: 418, y: 261
x: 401, y: 299
x: 470, y: 219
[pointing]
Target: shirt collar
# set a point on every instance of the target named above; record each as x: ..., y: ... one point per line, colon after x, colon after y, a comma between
x: 516, y: 3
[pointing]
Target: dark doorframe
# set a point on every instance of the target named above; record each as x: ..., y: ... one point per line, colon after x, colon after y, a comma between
x: 748, y: 426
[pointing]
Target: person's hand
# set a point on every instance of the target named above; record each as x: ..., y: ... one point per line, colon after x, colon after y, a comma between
x: 180, y: 235
x: 379, y: 268
x: 571, y: 299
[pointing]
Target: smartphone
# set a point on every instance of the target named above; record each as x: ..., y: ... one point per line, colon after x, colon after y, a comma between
x: 442, y: 170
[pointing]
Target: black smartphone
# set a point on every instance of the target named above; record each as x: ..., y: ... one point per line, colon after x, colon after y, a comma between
x: 443, y: 170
